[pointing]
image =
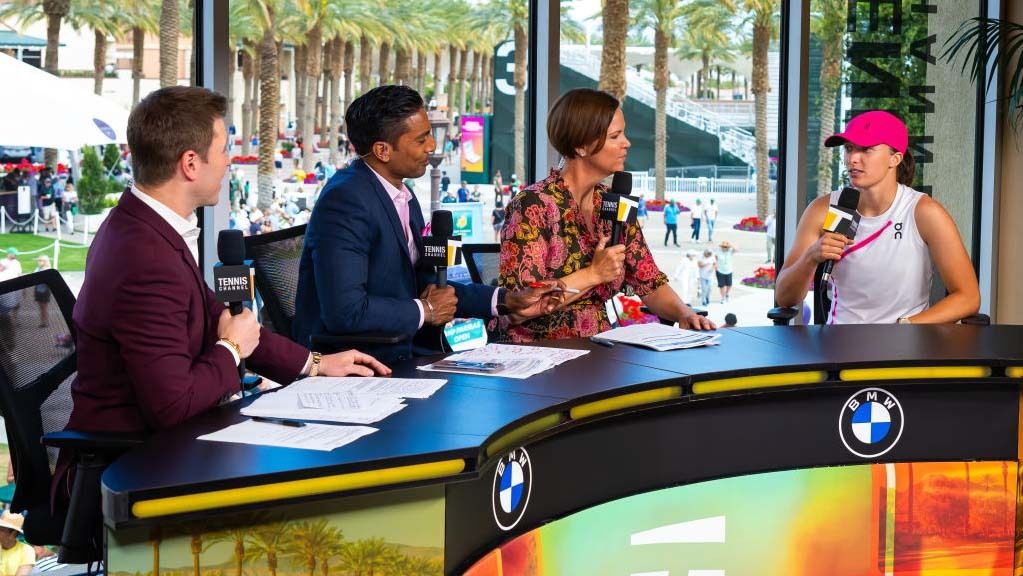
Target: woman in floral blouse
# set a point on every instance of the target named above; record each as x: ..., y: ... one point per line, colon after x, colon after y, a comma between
x: 553, y: 229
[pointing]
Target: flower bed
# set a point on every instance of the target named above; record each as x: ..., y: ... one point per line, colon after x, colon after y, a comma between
x: 655, y: 205
x: 763, y: 277
x: 751, y: 224
x: 245, y: 160
x: 630, y: 313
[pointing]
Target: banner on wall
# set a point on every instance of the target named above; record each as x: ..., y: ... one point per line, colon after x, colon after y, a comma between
x: 474, y: 148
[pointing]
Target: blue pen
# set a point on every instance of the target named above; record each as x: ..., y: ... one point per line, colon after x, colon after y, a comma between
x: 602, y: 342
x: 281, y: 421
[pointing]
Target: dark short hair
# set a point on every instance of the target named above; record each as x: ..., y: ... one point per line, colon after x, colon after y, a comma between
x: 380, y: 115
x: 906, y: 171
x: 166, y: 124
x: 580, y: 118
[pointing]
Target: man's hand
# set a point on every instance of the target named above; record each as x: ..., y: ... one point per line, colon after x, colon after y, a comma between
x: 242, y: 329
x: 352, y: 363
x: 534, y: 301
x: 694, y: 321
x: 443, y: 302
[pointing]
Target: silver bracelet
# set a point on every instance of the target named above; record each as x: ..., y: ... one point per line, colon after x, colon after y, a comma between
x: 430, y: 306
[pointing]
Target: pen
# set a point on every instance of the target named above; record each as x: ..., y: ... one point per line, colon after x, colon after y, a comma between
x: 602, y: 342
x: 566, y: 289
x: 281, y: 421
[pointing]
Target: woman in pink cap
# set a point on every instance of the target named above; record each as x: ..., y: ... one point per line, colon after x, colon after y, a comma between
x: 883, y: 275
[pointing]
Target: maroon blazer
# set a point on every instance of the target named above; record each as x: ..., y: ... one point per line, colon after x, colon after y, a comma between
x: 146, y: 331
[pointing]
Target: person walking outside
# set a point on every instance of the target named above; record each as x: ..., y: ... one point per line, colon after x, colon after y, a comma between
x: 706, y: 264
x: 671, y: 222
x: 710, y: 216
x: 725, y: 268
x: 696, y: 215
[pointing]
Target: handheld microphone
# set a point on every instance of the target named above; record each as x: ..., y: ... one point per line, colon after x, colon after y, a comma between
x: 842, y: 218
x: 618, y: 207
x: 442, y: 248
x: 232, y: 276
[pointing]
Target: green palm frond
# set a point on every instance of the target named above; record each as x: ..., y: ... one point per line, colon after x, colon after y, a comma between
x: 989, y: 42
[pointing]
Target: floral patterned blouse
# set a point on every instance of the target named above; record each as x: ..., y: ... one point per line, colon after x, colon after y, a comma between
x: 545, y: 237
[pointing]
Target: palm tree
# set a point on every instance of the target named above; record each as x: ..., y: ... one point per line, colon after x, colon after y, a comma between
x: 170, y: 30
x: 764, y: 14
x: 828, y: 24
x: 142, y: 16
x: 305, y: 541
x: 331, y: 547
x: 369, y: 557
x: 707, y: 37
x: 155, y: 536
x: 196, y: 551
x: 235, y: 536
x: 266, y: 541
x: 615, y: 18
x: 269, y: 97
x: 514, y: 15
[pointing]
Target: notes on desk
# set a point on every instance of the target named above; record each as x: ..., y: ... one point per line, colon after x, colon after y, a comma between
x: 660, y: 337
x: 505, y: 360
x: 351, y: 400
x: 324, y: 437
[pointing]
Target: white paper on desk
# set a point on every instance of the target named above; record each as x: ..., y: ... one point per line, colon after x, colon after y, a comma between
x: 396, y: 387
x: 323, y: 437
x: 660, y: 337
x: 345, y: 401
x: 501, y: 352
x: 286, y: 403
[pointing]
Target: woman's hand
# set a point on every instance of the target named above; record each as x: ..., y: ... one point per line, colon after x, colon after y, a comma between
x: 608, y: 264
x: 829, y: 246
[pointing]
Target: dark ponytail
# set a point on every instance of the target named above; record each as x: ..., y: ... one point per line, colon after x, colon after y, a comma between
x: 906, y: 170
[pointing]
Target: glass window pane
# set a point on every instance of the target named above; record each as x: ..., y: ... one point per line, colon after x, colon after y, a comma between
x: 692, y: 75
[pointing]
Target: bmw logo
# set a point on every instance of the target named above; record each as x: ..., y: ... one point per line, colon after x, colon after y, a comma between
x: 513, y: 480
x: 871, y: 422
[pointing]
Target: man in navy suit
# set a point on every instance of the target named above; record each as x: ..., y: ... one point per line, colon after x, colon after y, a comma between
x: 359, y: 270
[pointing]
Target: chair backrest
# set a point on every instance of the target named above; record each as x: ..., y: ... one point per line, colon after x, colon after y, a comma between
x: 37, y: 365
x: 276, y: 257
x: 483, y: 262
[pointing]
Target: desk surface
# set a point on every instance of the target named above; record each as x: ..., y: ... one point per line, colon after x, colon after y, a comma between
x: 470, y: 411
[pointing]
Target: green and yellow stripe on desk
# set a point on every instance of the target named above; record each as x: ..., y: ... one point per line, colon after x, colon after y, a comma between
x: 230, y: 497
x: 759, y: 381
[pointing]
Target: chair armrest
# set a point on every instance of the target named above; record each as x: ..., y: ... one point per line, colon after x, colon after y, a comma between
x: 783, y: 315
x: 320, y: 342
x: 93, y: 441
x: 977, y: 320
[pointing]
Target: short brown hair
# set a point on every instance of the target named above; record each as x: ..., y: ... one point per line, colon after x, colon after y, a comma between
x: 166, y: 124
x: 580, y: 118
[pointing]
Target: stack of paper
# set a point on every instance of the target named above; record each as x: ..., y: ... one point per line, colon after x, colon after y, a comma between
x: 506, y: 360
x: 353, y: 400
x: 309, y: 436
x: 660, y: 337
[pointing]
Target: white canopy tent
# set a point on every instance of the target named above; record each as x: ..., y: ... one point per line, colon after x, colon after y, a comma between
x: 40, y: 110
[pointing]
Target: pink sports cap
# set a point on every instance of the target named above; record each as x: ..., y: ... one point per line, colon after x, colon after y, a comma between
x: 873, y: 128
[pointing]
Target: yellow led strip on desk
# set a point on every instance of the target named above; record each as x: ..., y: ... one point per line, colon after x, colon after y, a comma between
x: 1014, y: 371
x: 914, y: 373
x: 761, y: 381
x: 625, y: 401
x: 516, y: 436
x: 294, y: 489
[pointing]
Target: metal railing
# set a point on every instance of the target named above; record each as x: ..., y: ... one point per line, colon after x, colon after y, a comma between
x: 643, y: 183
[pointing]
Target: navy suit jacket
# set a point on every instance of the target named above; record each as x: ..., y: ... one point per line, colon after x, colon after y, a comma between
x: 356, y: 274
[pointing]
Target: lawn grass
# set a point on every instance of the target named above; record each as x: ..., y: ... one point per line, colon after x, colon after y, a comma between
x: 71, y: 259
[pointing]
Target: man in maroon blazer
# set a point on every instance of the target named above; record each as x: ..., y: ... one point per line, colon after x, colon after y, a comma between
x: 155, y: 347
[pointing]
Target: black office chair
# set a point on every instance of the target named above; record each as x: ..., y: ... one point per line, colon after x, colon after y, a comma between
x: 785, y: 315
x: 276, y: 257
x: 37, y: 366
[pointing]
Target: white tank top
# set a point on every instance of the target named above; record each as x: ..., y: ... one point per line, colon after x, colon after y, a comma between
x: 886, y: 273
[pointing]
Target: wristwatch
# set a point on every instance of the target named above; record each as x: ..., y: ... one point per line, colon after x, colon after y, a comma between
x: 502, y: 308
x: 903, y: 320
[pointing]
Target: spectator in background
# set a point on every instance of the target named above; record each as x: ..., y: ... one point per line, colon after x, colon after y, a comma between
x: 671, y: 222
x: 687, y: 275
x: 16, y: 557
x: 641, y: 210
x: 42, y: 292
x: 710, y: 216
x: 730, y: 320
x: 771, y: 234
x: 255, y: 222
x: 498, y: 188
x: 696, y: 215
x: 497, y: 219
x: 474, y: 195
x: 449, y: 197
x: 46, y: 200
x: 70, y: 202
x: 725, y: 268
x: 463, y: 192
x: 11, y: 263
x: 445, y: 181
x: 706, y: 264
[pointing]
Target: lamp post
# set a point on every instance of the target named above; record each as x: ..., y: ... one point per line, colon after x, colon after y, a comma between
x: 439, y: 126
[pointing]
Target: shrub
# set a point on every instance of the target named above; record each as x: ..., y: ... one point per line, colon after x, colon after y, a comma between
x: 94, y: 185
x: 751, y: 224
x: 763, y: 277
